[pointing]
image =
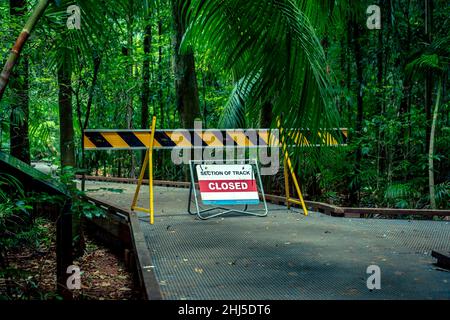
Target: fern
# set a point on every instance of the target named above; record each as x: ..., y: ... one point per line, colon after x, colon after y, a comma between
x: 402, y: 195
x: 443, y: 194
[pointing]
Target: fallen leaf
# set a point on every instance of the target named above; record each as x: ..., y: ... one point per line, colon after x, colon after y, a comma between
x: 125, y: 289
x: 199, y: 270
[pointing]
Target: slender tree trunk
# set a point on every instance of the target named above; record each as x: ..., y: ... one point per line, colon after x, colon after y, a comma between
x: 66, y: 141
x: 431, y: 150
x: 186, y: 87
x: 429, y: 75
x: 160, y: 70
x: 129, y: 53
x: 354, y: 196
x: 67, y: 147
x: 146, y: 77
x: 18, y: 129
x: 171, y: 120
x: 381, y: 154
x: 161, y: 104
x: 428, y: 106
x: 348, y: 73
x: 146, y: 82
x: 266, y: 115
x: 409, y: 91
x: 83, y: 125
x: 265, y: 120
x: 20, y: 42
x: 205, y: 108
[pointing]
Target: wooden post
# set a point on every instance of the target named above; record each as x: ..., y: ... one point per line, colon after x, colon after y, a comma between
x: 64, y: 257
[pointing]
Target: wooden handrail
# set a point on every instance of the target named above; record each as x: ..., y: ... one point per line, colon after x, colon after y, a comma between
x: 317, y: 206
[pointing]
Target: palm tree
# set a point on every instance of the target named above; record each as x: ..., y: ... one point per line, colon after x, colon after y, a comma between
x: 273, y: 52
x: 433, y: 60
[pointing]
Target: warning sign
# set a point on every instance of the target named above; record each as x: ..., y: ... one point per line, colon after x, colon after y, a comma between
x: 227, y: 184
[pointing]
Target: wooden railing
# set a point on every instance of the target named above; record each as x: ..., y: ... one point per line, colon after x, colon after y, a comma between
x: 315, y: 206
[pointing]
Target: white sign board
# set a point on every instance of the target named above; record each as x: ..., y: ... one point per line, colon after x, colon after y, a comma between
x: 227, y: 184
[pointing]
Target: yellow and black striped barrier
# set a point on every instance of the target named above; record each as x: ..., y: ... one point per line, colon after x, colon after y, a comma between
x: 168, y: 139
x: 151, y: 139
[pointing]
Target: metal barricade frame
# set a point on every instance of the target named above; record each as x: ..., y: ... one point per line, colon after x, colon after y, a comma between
x: 225, y: 210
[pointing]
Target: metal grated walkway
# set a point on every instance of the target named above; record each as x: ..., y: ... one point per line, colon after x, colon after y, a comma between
x: 287, y: 255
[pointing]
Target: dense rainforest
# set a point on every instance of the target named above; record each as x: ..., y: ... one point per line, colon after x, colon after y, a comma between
x: 375, y: 69
x: 239, y: 64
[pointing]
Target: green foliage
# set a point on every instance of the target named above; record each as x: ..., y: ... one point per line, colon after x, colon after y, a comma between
x: 403, y: 195
x: 80, y: 207
x: 17, y: 225
x: 443, y: 194
x: 15, y: 217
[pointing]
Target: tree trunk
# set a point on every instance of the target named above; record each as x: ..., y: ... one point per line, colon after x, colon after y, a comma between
x: 348, y: 73
x: 20, y: 42
x: 429, y: 75
x: 146, y: 77
x: 381, y: 154
x: 407, y: 89
x: 266, y: 115
x: 265, y: 120
x: 66, y: 142
x: 186, y: 87
x: 83, y: 125
x: 354, y: 196
x: 18, y: 129
x: 130, y: 76
x: 431, y: 150
x: 146, y: 82
x: 162, y: 120
x: 160, y: 72
x: 205, y: 107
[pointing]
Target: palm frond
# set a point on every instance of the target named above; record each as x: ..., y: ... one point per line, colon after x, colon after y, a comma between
x: 247, y: 35
x: 96, y: 32
x: 398, y: 191
x: 426, y: 62
x: 234, y: 112
x: 276, y: 40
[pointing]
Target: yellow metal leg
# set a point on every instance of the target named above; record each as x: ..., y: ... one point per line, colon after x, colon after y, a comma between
x: 287, y: 161
x: 296, y: 184
x: 286, y: 183
x: 150, y: 177
x: 148, y: 160
x: 141, y: 177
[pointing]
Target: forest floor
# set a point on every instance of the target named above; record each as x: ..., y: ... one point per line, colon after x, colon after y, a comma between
x: 33, y: 273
